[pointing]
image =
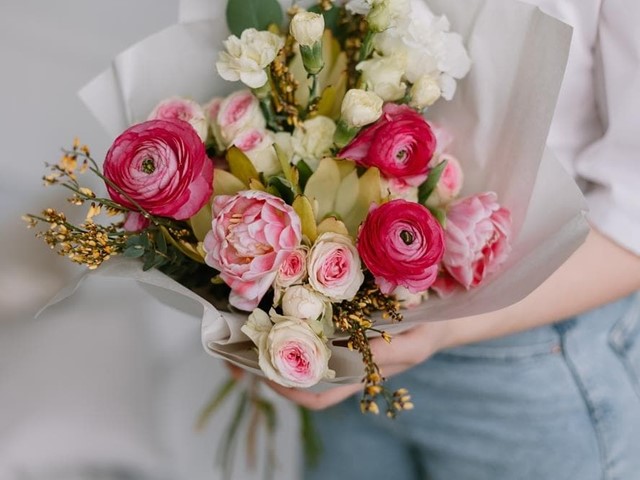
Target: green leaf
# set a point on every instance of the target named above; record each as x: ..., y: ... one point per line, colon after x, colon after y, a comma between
x: 311, y: 444
x: 305, y: 173
x: 430, y: 183
x: 241, y: 167
x: 440, y: 215
x: 215, y: 402
x: 161, y: 242
x: 283, y: 187
x: 258, y: 14
x: 224, y: 183
x: 321, y: 186
x: 227, y: 447
x: 134, y: 251
x: 290, y: 172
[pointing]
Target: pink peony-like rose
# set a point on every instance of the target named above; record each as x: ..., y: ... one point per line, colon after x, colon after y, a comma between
x: 177, y: 108
x: 401, y: 243
x: 238, y: 112
x: 477, y: 238
x: 290, y: 352
x: 334, y: 267
x: 252, y: 234
x: 400, y: 144
x: 162, y: 166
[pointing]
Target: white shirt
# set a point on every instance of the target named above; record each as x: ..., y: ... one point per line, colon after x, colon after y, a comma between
x: 596, y: 128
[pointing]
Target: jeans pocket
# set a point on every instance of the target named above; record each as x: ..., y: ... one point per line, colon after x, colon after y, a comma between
x: 624, y: 339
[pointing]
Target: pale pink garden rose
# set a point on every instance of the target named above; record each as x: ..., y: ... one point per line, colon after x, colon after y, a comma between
x: 257, y: 145
x: 290, y: 352
x: 161, y: 166
x: 238, y: 112
x: 293, y: 269
x: 252, y: 234
x: 445, y: 285
x: 211, y: 110
x: 176, y: 108
x: 450, y: 182
x: 334, y: 267
x: 477, y: 238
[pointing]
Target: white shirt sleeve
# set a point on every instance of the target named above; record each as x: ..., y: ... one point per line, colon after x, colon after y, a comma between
x: 612, y: 164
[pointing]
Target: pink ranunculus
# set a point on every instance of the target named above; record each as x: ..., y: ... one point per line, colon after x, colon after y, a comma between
x: 252, y: 234
x: 477, y: 238
x: 400, y: 144
x: 401, y: 243
x: 177, y: 108
x: 334, y: 267
x: 238, y: 112
x: 162, y: 166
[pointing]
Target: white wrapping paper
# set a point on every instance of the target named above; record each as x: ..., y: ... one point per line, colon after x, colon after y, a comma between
x: 500, y: 119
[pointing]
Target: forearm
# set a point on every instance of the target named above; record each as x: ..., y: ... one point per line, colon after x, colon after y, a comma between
x: 599, y: 272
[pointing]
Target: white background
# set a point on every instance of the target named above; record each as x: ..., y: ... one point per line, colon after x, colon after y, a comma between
x: 107, y: 385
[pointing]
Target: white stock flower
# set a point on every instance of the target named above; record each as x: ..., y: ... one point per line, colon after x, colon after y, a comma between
x: 383, y: 75
x: 313, y: 140
x: 304, y: 303
x: 307, y: 28
x: 425, y: 92
x: 381, y: 14
x: 247, y: 57
x: 360, y: 108
x: 290, y: 352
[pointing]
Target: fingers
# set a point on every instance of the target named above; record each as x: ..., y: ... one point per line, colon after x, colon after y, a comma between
x: 236, y: 372
x: 316, y: 401
x: 406, y: 349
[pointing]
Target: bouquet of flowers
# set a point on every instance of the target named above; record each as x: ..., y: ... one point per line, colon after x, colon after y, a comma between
x: 321, y: 199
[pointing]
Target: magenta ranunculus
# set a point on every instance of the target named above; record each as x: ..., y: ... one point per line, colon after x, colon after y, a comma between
x: 401, y: 243
x: 400, y: 144
x: 477, y: 238
x: 162, y: 166
x: 252, y: 234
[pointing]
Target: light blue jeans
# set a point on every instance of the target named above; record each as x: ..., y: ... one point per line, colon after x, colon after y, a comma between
x: 556, y: 403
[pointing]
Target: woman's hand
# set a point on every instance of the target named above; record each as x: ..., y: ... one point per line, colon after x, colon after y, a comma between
x: 405, y: 350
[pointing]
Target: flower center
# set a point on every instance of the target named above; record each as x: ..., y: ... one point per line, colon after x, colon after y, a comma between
x: 148, y: 166
x: 401, y: 156
x: 407, y: 237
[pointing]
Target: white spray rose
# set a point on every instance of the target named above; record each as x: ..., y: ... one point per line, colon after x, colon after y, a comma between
x: 307, y: 28
x: 387, y: 13
x: 290, y: 352
x: 238, y: 112
x: 360, y: 108
x: 313, y: 140
x: 247, y: 57
x: 394, y: 189
x: 425, y: 92
x: 383, y: 75
x: 257, y: 145
x: 334, y: 267
x: 302, y: 302
x: 408, y: 299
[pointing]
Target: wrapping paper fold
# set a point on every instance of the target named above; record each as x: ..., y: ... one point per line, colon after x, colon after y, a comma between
x: 500, y: 119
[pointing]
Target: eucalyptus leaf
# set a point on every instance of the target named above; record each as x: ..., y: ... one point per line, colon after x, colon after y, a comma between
x: 305, y: 172
x: 134, y: 251
x: 258, y: 14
